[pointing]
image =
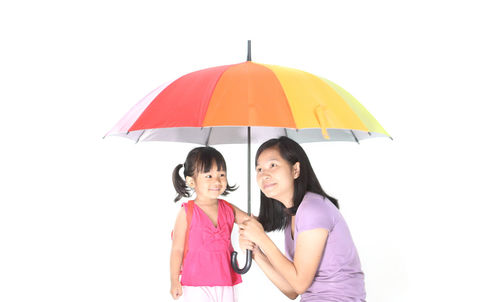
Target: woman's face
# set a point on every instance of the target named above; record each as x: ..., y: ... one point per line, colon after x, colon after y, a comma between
x: 275, y: 176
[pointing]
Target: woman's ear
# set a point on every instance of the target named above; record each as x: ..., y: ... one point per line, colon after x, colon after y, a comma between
x: 296, y: 170
x: 190, y: 182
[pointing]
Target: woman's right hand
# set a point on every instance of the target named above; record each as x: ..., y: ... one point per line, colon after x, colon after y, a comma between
x: 175, y: 289
x: 246, y: 244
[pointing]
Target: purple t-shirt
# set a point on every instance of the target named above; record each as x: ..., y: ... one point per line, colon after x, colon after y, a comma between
x: 339, y: 276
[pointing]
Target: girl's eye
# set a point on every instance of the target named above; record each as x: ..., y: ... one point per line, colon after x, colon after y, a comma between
x: 222, y: 175
x: 208, y: 176
x: 258, y: 170
x: 273, y: 165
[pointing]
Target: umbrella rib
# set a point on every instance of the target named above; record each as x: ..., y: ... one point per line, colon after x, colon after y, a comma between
x: 352, y: 132
x: 139, y: 138
x: 208, y: 136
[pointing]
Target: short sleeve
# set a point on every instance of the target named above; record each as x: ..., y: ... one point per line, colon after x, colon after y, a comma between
x: 315, y: 212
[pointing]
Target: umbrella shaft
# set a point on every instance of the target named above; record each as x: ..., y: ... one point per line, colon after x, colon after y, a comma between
x: 249, y: 51
x: 248, y: 176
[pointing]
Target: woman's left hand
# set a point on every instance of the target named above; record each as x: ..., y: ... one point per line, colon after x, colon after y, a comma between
x: 252, y: 230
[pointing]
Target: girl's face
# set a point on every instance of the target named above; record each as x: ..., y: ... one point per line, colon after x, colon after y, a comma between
x: 208, y: 185
x: 275, y: 176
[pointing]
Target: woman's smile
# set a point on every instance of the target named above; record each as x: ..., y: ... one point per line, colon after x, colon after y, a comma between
x: 268, y: 186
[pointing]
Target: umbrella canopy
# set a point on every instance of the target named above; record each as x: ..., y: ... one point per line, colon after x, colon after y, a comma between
x: 217, y: 105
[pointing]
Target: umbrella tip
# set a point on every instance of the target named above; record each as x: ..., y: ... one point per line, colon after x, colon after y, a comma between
x: 249, y: 51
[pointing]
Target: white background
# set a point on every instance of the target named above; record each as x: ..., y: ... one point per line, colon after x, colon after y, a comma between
x: 87, y: 219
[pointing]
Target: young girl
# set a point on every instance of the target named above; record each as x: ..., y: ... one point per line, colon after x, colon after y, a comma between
x: 207, y: 274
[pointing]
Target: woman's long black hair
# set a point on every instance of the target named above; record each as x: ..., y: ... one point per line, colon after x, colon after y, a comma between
x: 198, y: 160
x: 273, y: 215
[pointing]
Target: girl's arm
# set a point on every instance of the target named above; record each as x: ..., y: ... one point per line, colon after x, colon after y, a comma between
x: 308, y: 251
x: 177, y: 253
x: 239, y: 215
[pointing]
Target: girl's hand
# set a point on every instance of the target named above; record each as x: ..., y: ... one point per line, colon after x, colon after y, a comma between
x: 176, y: 289
x: 252, y: 230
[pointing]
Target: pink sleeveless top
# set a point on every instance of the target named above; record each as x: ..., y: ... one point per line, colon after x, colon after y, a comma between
x: 208, y: 259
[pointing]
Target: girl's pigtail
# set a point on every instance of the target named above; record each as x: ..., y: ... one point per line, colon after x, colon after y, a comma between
x: 229, y: 189
x: 179, y: 184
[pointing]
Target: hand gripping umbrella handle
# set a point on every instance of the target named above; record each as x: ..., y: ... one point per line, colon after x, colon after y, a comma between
x: 234, y: 264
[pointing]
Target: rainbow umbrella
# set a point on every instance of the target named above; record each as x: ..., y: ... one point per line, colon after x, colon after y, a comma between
x: 244, y: 103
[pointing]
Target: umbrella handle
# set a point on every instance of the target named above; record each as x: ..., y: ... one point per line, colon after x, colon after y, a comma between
x: 234, y: 264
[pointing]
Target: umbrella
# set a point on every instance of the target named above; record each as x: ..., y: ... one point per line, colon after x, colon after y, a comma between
x: 244, y: 103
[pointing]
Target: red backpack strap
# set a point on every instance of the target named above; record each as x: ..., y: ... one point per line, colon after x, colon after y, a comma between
x: 189, y: 216
x: 227, y: 204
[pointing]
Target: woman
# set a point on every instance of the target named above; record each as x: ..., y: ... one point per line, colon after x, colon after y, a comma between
x: 321, y: 262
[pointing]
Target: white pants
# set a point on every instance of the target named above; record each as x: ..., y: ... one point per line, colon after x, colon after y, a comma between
x: 209, y: 294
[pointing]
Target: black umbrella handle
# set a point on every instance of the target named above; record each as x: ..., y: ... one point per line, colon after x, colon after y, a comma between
x: 234, y: 264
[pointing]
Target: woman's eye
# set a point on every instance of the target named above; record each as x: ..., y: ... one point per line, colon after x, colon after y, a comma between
x: 273, y: 165
x: 258, y: 170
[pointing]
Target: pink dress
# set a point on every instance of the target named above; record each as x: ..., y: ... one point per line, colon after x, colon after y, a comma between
x: 208, y: 259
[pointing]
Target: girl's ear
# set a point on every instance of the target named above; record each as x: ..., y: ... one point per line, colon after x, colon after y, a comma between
x: 296, y: 170
x: 190, y: 182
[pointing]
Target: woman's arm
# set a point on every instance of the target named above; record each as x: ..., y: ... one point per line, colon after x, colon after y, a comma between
x: 267, y: 268
x: 177, y: 253
x: 275, y: 277
x: 309, y: 249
